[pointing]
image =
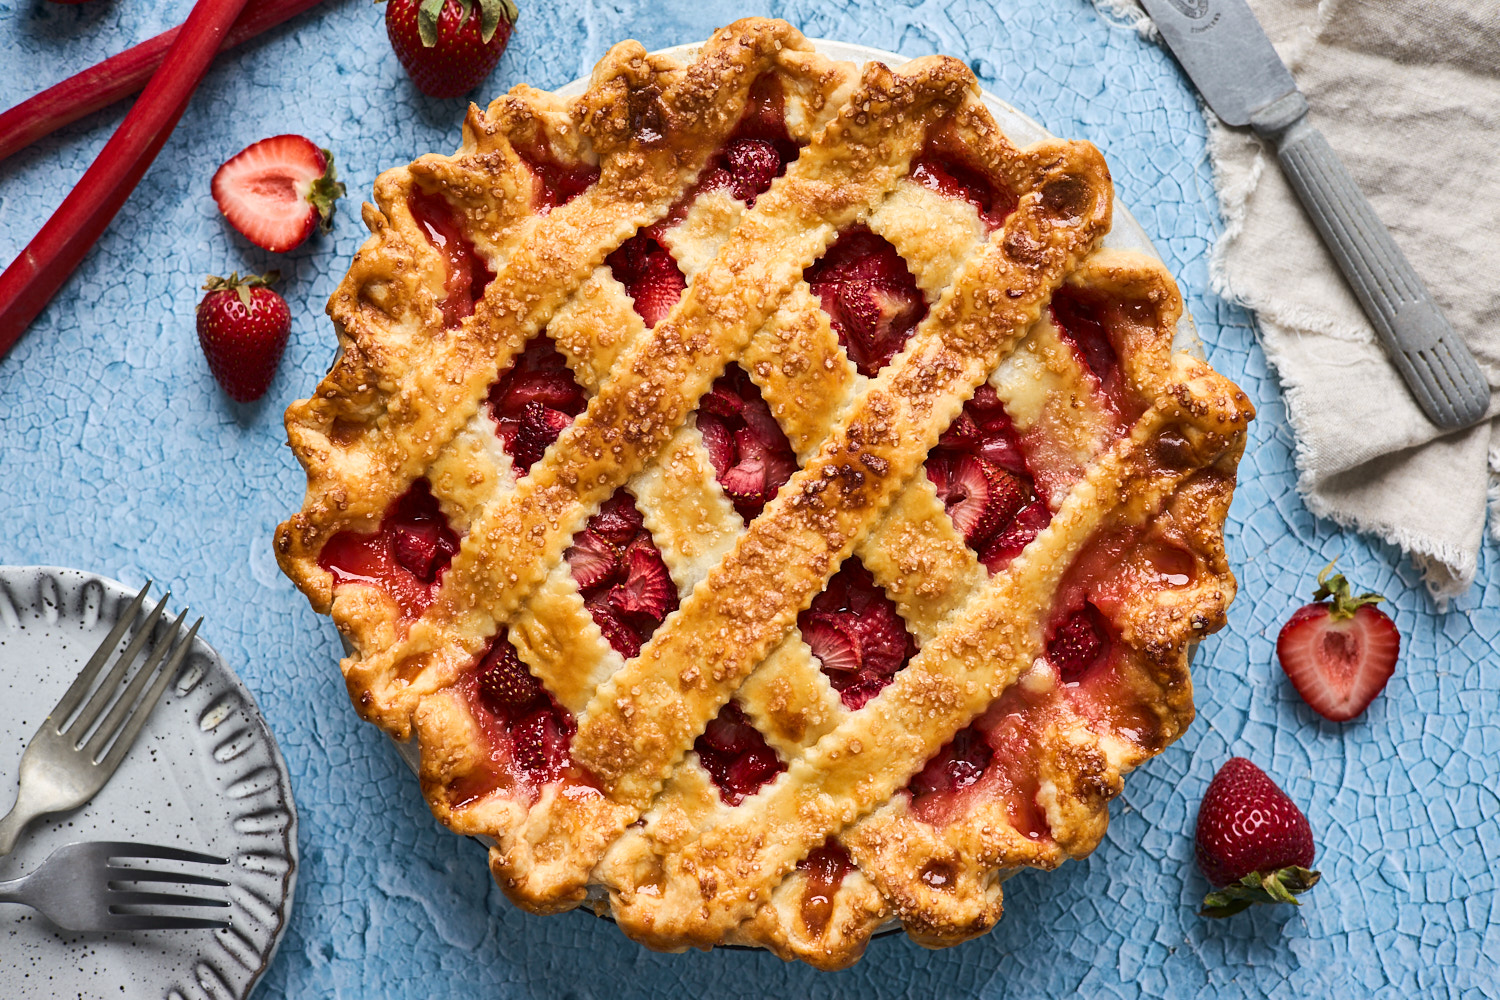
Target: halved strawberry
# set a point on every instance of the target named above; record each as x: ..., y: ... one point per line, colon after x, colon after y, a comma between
x: 592, y: 560
x: 276, y: 191
x: 536, y: 429
x: 753, y: 165
x: 1078, y: 643
x: 870, y: 296
x: 1011, y: 539
x: 650, y: 276
x: 552, y: 387
x: 969, y: 491
x: 718, y: 440
x: 647, y: 588
x: 751, y: 455
x: 618, y: 633
x: 504, y: 682
x: 1339, y: 652
x: 618, y: 520
x: 830, y: 644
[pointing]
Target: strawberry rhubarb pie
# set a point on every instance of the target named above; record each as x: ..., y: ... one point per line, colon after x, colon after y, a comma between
x: 767, y: 507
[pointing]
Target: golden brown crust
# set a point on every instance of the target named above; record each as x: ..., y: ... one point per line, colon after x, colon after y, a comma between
x: 638, y: 818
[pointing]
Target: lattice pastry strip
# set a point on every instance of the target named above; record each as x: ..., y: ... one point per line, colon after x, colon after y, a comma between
x: 1133, y: 452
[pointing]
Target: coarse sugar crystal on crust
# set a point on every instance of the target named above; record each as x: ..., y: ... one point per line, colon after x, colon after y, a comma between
x: 847, y: 586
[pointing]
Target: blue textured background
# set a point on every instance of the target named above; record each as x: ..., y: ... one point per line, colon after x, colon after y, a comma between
x: 119, y: 454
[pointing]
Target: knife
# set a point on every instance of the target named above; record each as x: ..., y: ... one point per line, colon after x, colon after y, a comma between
x: 1225, y: 52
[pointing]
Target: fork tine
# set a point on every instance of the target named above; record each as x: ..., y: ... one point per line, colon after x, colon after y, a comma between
x: 133, y: 726
x: 127, y: 897
x: 141, y: 922
x: 126, y: 702
x: 126, y: 851
x: 102, y: 697
x: 122, y: 875
x: 74, y: 695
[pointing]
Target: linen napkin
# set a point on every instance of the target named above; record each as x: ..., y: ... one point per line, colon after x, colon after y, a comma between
x: 1408, y: 94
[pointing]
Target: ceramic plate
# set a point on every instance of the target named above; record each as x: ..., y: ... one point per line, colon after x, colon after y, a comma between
x: 205, y: 775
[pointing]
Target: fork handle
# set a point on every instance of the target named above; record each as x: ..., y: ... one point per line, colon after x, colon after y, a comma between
x: 26, y: 809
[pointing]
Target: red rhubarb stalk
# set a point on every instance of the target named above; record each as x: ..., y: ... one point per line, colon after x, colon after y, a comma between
x: 36, y: 275
x: 119, y: 76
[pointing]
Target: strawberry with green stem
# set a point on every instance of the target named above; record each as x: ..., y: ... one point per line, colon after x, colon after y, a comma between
x: 1252, y: 842
x: 242, y: 328
x: 448, y: 47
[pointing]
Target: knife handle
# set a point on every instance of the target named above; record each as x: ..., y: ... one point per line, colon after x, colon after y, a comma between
x: 1430, y: 355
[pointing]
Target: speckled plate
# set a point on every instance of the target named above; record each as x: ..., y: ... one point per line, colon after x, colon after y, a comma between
x: 206, y: 775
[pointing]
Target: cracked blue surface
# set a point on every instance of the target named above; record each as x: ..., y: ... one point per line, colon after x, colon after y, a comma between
x: 119, y: 454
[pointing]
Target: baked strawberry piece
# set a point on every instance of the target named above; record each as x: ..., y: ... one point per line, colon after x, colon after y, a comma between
x: 406, y: 557
x: 533, y: 401
x: 751, y: 456
x: 870, y: 296
x: 855, y: 632
x: 468, y: 273
x: 758, y: 150
x: 278, y: 190
x: 946, y: 171
x: 646, y: 268
x: 1252, y: 842
x: 736, y: 755
x: 981, y: 475
x: 1340, y: 651
x: 539, y: 728
x: 557, y: 182
x: 620, y: 573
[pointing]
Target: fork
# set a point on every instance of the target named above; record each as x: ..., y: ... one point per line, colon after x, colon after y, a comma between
x: 79, y: 890
x: 64, y: 765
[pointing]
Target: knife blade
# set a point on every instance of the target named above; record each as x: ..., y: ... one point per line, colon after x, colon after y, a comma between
x: 1225, y: 52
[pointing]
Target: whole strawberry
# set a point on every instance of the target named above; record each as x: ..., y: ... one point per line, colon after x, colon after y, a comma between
x: 1253, y: 843
x: 448, y: 47
x: 1339, y: 652
x: 243, y: 326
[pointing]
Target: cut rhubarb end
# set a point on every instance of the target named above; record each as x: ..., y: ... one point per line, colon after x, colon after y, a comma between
x: 621, y: 576
x: 533, y: 402
x: 870, y: 296
x: 406, y: 557
x: 736, y: 756
x: 468, y: 273
x: 857, y: 634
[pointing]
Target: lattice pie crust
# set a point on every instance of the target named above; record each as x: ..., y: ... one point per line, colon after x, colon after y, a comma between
x: 1131, y: 449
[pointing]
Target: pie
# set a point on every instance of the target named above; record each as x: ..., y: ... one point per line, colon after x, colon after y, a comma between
x: 769, y: 509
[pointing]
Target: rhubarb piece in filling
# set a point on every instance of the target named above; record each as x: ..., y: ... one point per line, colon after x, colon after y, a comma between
x: 526, y: 731
x: 942, y: 167
x: 981, y: 474
x: 533, y: 401
x: 855, y: 632
x: 736, y: 756
x: 405, y: 557
x: 870, y: 296
x: 751, y: 456
x: 468, y: 272
x: 620, y: 573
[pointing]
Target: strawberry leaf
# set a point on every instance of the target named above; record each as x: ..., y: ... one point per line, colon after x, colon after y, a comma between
x: 427, y: 21
x: 325, y: 193
x: 492, y: 12
x: 1257, y: 889
x: 1344, y: 603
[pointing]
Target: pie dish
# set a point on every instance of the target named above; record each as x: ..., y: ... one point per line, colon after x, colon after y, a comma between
x: 766, y: 506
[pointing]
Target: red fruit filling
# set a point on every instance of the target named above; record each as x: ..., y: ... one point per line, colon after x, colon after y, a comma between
x: 855, y: 632
x: 960, y: 763
x: 533, y: 401
x: 983, y: 479
x: 758, y: 150
x: 1078, y: 643
x: 557, y: 183
x: 949, y: 175
x: 650, y: 275
x: 468, y: 272
x: 736, y: 755
x: 620, y: 573
x: 751, y: 456
x: 1081, y: 320
x: 826, y: 868
x: 405, y: 557
x: 509, y: 698
x: 870, y: 297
